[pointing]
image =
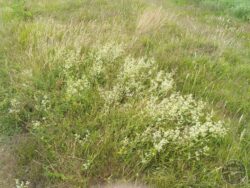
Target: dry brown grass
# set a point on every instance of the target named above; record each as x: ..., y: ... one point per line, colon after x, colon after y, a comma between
x: 151, y: 20
x: 121, y: 185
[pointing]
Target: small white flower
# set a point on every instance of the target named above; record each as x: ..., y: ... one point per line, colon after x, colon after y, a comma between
x: 22, y: 184
x: 74, y: 87
x: 86, y: 165
x: 14, y: 106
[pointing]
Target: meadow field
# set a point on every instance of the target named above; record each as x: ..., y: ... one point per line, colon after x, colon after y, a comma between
x: 102, y: 92
x: 236, y: 8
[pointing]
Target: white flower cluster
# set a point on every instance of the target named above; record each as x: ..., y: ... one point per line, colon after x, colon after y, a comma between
x: 175, y: 119
x: 43, y: 105
x: 72, y: 59
x: 36, y: 125
x: 74, y: 87
x: 104, y: 55
x: 161, y: 84
x: 82, y: 139
x: 14, y: 106
x: 22, y: 184
x: 191, y: 123
x: 99, y: 58
x: 203, y: 151
x: 138, y: 79
x: 186, y: 136
x: 132, y: 81
x: 109, y: 51
x: 86, y: 165
x: 133, y: 68
x: 75, y: 83
x: 177, y: 108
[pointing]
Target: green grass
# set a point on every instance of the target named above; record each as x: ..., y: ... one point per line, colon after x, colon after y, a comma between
x: 237, y: 8
x: 74, y: 135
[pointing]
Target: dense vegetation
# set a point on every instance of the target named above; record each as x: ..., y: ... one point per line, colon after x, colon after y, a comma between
x: 237, y: 8
x: 101, y: 91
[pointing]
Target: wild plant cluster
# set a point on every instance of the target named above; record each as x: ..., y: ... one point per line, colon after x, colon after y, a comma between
x: 174, y: 123
x: 89, y: 108
x: 21, y: 184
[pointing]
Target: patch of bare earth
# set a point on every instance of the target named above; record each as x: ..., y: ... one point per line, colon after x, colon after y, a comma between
x: 7, y: 164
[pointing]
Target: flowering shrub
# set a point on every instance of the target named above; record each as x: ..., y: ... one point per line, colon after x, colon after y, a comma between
x: 159, y: 125
x: 175, y: 122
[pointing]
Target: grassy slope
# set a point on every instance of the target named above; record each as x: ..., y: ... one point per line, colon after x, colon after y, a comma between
x: 216, y: 52
x: 210, y: 54
x: 236, y: 8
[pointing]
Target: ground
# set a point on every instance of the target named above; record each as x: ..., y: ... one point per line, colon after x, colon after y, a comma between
x: 7, y: 163
x: 70, y: 140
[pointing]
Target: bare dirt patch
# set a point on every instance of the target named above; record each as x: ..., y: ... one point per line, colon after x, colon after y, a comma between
x: 7, y: 164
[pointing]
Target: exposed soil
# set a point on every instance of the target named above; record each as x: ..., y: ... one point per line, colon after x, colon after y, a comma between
x: 7, y: 164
